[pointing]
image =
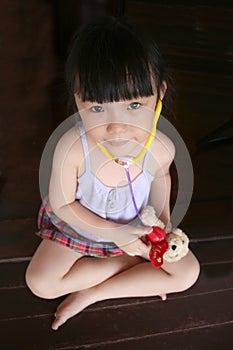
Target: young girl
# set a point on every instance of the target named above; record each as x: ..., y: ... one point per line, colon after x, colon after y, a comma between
x: 105, y: 170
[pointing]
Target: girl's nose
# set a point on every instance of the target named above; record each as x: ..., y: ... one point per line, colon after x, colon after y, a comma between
x: 116, y: 128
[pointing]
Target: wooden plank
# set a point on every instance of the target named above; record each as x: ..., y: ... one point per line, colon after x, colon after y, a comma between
x: 213, y: 278
x: 214, y: 338
x: 18, y: 238
x: 208, y: 219
x: 12, y: 274
x: 203, y: 220
x: 210, y: 252
x: 140, y: 320
x: 203, y: 27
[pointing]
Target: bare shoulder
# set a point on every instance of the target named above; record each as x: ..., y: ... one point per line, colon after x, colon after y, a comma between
x: 162, y: 153
x: 165, y: 145
x: 69, y: 147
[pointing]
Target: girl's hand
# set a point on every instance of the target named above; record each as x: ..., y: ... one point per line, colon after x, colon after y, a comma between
x: 138, y: 248
x: 129, y: 240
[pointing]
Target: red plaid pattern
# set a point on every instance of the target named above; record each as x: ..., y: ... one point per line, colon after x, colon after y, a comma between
x: 71, y: 239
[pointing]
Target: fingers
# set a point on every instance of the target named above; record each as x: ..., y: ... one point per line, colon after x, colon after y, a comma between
x: 146, y: 230
x: 139, y: 250
x: 140, y: 231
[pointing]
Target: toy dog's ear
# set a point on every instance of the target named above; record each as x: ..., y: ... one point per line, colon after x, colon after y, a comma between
x: 149, y: 217
x: 184, y: 238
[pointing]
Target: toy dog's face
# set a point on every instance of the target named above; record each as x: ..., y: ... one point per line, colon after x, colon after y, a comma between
x: 175, y: 244
x: 177, y: 247
x: 177, y: 240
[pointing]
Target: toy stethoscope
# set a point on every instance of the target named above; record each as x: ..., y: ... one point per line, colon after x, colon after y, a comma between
x: 125, y: 162
x: 158, y: 236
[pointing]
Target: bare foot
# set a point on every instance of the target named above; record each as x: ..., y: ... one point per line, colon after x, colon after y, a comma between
x: 74, y: 304
x: 163, y: 297
x: 71, y: 306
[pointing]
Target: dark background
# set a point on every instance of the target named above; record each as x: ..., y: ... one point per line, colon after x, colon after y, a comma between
x: 196, y: 40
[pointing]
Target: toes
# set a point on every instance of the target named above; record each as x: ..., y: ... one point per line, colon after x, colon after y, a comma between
x: 58, y: 322
x: 164, y: 297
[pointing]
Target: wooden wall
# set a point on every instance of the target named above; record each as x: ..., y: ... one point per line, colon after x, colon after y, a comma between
x: 196, y: 38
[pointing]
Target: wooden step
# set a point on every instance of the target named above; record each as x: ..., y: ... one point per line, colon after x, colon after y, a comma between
x: 203, y: 220
x: 12, y: 271
x: 132, y: 322
x: 199, y: 312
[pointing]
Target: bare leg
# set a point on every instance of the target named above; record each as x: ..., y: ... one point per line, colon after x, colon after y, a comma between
x: 145, y: 280
x: 138, y: 281
x: 56, y: 270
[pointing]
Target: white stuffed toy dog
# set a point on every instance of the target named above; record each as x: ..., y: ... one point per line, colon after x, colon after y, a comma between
x: 177, y: 240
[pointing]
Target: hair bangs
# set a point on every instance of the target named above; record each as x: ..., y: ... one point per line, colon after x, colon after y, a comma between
x: 112, y: 85
x: 112, y: 65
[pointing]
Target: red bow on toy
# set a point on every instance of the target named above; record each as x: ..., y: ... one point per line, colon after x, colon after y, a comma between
x: 159, y: 245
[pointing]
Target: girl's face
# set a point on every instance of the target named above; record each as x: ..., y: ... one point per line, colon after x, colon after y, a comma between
x: 119, y: 126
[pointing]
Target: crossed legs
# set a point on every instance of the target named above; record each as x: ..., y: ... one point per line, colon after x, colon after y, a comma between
x: 56, y: 270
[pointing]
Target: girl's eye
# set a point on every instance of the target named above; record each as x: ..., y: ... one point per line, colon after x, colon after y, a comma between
x: 134, y: 105
x: 97, y: 109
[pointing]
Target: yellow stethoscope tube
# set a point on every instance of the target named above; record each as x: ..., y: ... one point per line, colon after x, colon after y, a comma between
x: 145, y: 147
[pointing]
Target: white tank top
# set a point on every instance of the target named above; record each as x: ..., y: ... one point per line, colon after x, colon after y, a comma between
x: 111, y: 203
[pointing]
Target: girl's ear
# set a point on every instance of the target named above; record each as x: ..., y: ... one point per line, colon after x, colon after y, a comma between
x: 163, y: 90
x: 76, y: 99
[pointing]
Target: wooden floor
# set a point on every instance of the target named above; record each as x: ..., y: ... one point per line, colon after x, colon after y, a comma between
x: 196, y: 39
x: 200, y: 318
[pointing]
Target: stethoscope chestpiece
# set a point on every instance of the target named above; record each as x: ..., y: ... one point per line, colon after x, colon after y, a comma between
x: 125, y: 162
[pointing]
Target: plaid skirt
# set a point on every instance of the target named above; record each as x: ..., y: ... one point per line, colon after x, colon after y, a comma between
x: 52, y: 228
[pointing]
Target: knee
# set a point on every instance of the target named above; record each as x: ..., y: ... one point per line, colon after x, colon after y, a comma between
x: 38, y: 284
x: 191, y: 274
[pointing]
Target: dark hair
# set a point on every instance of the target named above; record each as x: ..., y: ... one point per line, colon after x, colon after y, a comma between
x: 108, y: 62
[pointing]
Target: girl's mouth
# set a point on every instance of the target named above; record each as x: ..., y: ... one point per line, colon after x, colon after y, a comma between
x: 117, y: 143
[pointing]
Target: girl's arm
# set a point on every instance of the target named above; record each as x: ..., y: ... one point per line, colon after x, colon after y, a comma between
x: 161, y: 185
x: 62, y: 190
